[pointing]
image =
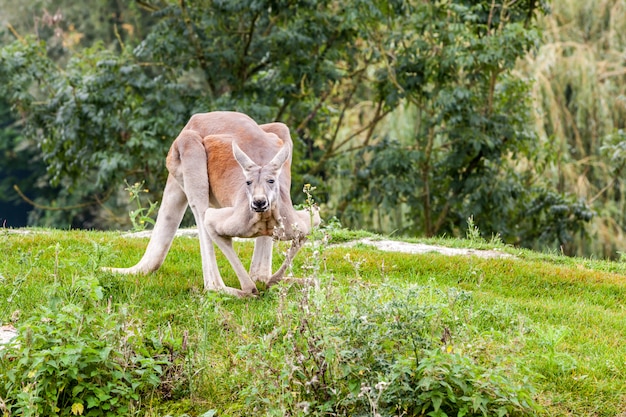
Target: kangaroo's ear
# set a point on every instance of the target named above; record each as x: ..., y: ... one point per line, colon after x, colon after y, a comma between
x: 242, y: 159
x: 283, y: 154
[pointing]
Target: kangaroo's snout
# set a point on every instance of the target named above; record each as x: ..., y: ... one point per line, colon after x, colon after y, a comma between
x: 259, y: 204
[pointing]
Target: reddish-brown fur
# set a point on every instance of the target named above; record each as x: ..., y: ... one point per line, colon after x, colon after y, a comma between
x: 225, y: 175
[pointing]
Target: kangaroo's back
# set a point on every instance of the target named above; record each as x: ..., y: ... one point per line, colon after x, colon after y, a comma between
x: 260, y: 142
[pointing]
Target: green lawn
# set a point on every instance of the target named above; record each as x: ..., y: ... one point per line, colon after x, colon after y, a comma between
x: 552, y: 324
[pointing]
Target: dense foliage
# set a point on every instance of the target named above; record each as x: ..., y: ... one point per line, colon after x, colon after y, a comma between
x: 406, y: 114
x: 79, y: 357
x: 579, y: 102
x: 382, y: 353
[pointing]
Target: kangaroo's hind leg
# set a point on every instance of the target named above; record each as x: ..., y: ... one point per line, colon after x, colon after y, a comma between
x: 170, y: 214
x: 187, y: 162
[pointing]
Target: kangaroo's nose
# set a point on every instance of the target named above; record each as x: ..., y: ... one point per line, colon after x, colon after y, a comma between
x: 259, y: 204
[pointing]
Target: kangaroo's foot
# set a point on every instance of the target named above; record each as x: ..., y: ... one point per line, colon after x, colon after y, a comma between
x: 240, y: 293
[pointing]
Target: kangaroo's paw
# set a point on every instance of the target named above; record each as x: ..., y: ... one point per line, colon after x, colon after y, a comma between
x: 239, y: 293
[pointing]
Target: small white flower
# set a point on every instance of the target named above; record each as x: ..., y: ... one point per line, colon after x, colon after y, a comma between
x: 381, y: 385
x: 364, y: 390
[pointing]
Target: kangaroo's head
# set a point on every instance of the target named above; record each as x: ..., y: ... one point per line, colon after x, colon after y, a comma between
x: 262, y: 183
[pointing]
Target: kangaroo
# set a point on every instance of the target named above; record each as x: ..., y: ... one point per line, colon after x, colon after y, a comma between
x: 235, y: 175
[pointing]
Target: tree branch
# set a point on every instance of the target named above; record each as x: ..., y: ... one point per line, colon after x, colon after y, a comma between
x: 52, y: 208
x: 333, y: 152
x: 243, y: 74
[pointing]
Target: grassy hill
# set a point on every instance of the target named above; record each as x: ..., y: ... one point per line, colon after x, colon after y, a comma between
x: 368, y: 333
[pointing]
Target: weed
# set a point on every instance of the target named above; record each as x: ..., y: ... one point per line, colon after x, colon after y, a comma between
x: 141, y: 215
x: 381, y: 351
x: 309, y: 202
x: 78, y: 357
x: 553, y: 361
x: 356, y: 265
x: 473, y: 232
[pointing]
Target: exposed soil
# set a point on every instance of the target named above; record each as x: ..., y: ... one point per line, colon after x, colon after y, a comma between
x: 6, y: 334
x: 395, y: 246
x: 383, y: 245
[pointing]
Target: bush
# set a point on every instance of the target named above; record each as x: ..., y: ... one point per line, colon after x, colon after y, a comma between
x: 386, y: 352
x: 78, y: 357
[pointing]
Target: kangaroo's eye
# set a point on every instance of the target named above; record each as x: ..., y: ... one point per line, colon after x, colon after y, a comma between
x: 270, y: 181
x: 249, y: 182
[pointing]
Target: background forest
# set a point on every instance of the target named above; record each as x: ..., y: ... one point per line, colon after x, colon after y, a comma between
x: 408, y: 116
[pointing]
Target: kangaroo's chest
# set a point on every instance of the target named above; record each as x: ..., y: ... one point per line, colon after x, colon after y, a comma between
x: 265, y: 223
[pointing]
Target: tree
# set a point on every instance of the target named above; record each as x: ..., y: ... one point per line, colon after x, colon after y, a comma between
x: 580, y: 113
x: 108, y: 115
x: 35, y: 67
x: 334, y: 73
x: 452, y: 64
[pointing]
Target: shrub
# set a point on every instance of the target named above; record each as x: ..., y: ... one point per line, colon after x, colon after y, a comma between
x: 78, y: 357
x: 385, y: 352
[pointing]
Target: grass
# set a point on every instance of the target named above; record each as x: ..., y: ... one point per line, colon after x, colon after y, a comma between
x: 557, y: 322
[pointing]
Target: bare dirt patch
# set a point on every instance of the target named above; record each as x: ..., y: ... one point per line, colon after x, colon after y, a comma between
x: 383, y: 245
x: 7, y: 333
x: 421, y: 248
